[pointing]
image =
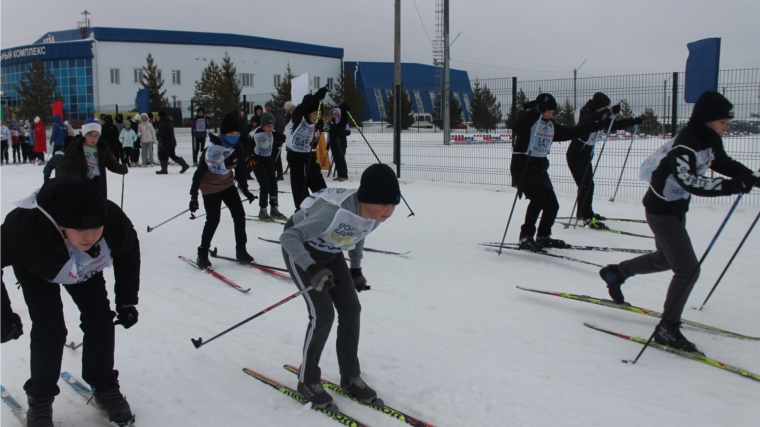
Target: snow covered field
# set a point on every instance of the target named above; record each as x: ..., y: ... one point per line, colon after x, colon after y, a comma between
x: 446, y: 336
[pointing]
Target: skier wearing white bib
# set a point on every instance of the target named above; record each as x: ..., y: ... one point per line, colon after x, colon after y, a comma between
x: 329, y: 222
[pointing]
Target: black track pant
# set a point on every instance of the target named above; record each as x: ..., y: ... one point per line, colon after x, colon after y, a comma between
x: 26, y: 151
x: 213, y: 205
x: 305, y: 175
x: 320, y: 305
x: 541, y: 199
x: 265, y: 175
x: 338, y: 148
x: 198, y: 146
x: 580, y: 168
x: 277, y: 153
x: 134, y: 155
x: 4, y: 150
x: 16, y: 153
x: 49, y: 333
x: 674, y: 252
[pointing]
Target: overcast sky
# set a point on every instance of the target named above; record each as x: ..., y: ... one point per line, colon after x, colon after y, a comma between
x: 524, y: 38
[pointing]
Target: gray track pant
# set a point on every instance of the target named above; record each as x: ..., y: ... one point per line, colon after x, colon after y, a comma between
x: 674, y: 252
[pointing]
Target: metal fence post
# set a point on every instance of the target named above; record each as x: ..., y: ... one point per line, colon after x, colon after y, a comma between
x: 514, y: 102
x: 674, y: 118
x: 397, y: 131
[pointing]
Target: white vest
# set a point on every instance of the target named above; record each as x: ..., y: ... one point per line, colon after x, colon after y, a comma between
x: 346, y: 229
x: 544, y: 138
x: 672, y: 191
x: 215, y: 156
x: 264, y: 143
x: 300, y: 139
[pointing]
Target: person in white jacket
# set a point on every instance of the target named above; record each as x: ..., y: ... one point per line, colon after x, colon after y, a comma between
x: 147, y: 134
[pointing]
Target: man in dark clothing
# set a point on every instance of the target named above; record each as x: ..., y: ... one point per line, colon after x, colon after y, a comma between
x: 167, y: 144
x: 200, y: 126
x: 279, y: 128
x: 581, y: 152
x: 677, y: 174
x: 67, y: 234
x: 110, y: 135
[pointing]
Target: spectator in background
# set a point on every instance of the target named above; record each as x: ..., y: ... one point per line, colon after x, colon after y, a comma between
x: 15, y: 142
x: 5, y: 139
x: 337, y: 134
x: 199, y: 126
x: 120, y: 122
x: 23, y: 141
x: 40, y: 141
x: 135, y: 156
x: 127, y: 137
x: 110, y: 135
x: 147, y: 136
x: 59, y: 133
x: 279, y: 127
x: 257, y: 112
x: 167, y: 144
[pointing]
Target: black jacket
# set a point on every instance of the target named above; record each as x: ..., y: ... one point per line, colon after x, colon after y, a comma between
x: 75, y: 163
x: 166, y: 132
x: 694, y: 140
x: 578, y: 149
x: 238, y: 158
x: 109, y: 133
x: 32, y: 244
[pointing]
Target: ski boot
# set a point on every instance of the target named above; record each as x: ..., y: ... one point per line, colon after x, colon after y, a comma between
x: 40, y: 412
x: 548, y: 242
x: 115, y: 405
x: 359, y: 389
x: 242, y: 255
x: 263, y: 215
x: 164, y: 169
x: 595, y: 224
x: 275, y: 213
x: 202, y: 260
x: 318, y: 396
x: 528, y: 244
x: 600, y: 217
x: 184, y: 165
x: 614, y: 280
x: 669, y: 333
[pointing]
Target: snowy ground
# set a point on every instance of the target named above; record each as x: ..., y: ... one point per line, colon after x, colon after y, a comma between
x: 446, y: 336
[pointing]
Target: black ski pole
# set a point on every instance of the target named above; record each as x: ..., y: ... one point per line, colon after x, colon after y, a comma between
x: 593, y: 172
x: 666, y: 311
x: 356, y: 126
x: 122, y: 193
x: 192, y: 215
x: 175, y: 216
x: 199, y: 342
x: 730, y: 261
x: 522, y: 177
x: 633, y: 137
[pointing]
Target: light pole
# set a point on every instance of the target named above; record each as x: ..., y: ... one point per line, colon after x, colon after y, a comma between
x: 575, y: 84
x: 174, y: 101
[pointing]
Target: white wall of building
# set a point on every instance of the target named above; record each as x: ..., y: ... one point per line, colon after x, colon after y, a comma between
x: 190, y: 60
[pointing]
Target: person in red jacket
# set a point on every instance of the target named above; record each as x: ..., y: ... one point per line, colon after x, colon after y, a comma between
x: 40, y: 141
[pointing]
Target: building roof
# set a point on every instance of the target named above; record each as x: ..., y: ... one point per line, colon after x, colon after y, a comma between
x: 134, y: 35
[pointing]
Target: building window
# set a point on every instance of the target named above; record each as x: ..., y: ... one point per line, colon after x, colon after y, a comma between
x: 379, y: 97
x: 176, y: 77
x: 138, y: 76
x: 277, y: 80
x: 418, y: 100
x: 115, y: 80
x: 330, y: 83
x: 246, y: 79
x: 316, y: 82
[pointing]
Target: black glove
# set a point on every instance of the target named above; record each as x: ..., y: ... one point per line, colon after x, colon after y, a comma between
x: 248, y: 195
x: 360, y: 282
x: 604, y: 123
x: 321, y: 278
x: 194, y: 206
x: 124, y: 169
x: 320, y: 125
x: 615, y: 109
x: 638, y: 120
x: 344, y: 106
x: 12, y: 327
x: 744, y: 183
x: 127, y: 315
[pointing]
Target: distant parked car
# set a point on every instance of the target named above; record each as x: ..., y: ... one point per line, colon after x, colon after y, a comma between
x: 423, y: 120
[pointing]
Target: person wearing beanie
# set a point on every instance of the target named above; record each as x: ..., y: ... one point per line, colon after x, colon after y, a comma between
x: 678, y: 173
x: 67, y: 233
x: 89, y: 157
x: 338, y: 142
x: 110, y: 135
x: 581, y: 152
x: 40, y: 141
x: 260, y: 158
x: 61, y: 141
x: 167, y: 145
x: 530, y: 164
x: 305, y: 172
x: 330, y: 222
x: 147, y: 134
x: 279, y: 128
x: 199, y: 126
x: 221, y: 164
x: 128, y: 137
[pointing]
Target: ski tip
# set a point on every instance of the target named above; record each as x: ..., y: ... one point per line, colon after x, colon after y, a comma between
x: 197, y: 343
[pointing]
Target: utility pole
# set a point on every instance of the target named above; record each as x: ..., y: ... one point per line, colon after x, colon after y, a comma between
x: 397, y: 89
x: 575, y: 86
x: 446, y: 92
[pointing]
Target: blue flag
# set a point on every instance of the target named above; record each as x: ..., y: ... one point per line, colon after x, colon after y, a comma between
x: 142, y: 100
x: 702, y: 68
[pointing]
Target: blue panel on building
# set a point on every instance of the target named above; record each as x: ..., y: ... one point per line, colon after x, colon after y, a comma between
x: 375, y: 82
x: 47, y: 52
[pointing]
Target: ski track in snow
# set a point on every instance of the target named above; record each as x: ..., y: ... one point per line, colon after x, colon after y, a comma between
x: 446, y: 336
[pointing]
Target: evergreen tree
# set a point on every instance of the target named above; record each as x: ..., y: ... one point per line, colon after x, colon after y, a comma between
x: 565, y: 114
x: 407, y: 120
x: 345, y: 90
x: 283, y: 89
x: 152, y: 80
x: 37, y: 92
x: 521, y: 100
x: 209, y: 93
x: 485, y: 110
x: 230, y: 95
x: 455, y: 113
x: 625, y: 113
x: 651, y: 125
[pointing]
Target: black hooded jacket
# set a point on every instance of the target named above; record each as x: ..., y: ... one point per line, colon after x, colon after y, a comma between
x: 75, y: 163
x: 578, y: 149
x: 33, y: 245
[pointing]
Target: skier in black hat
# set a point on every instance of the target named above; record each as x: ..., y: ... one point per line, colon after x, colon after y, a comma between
x: 260, y: 157
x: 529, y: 173
x: 329, y: 222
x: 677, y: 174
x: 223, y: 163
x: 581, y: 151
x: 67, y: 233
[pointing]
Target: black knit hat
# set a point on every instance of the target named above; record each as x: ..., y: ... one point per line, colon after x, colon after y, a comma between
x: 552, y: 103
x: 230, y: 124
x: 266, y: 119
x: 80, y: 205
x: 712, y: 106
x: 162, y: 114
x: 600, y: 100
x: 379, y: 186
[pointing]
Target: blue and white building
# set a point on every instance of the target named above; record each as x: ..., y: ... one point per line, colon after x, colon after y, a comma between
x: 102, y: 69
